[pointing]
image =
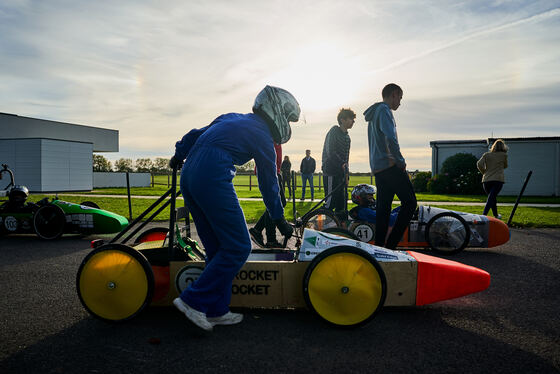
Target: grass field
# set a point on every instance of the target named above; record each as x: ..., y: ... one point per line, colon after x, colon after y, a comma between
x: 242, y: 182
x: 246, y: 187
x: 524, y: 216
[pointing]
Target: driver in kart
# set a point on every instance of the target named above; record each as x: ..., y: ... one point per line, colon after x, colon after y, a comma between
x: 207, y: 187
x: 364, y: 196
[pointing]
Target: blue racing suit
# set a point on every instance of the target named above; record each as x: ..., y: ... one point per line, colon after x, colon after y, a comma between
x: 370, y: 215
x: 207, y: 187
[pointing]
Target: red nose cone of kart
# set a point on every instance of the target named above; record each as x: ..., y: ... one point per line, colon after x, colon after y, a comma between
x: 498, y: 232
x: 440, y: 279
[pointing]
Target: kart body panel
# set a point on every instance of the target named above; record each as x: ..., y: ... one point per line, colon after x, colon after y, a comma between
x: 485, y: 232
x: 267, y: 282
x: 88, y: 220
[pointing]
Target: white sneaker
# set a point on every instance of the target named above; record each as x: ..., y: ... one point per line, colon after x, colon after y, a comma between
x: 196, y: 317
x: 499, y: 216
x: 227, y: 319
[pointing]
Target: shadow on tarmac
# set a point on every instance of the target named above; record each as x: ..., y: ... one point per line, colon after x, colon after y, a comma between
x: 511, y: 327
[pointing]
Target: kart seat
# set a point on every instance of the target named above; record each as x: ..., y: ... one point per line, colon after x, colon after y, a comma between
x: 182, y: 213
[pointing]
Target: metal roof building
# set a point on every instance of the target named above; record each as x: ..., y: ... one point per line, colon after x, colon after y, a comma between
x: 539, y: 154
x: 50, y: 156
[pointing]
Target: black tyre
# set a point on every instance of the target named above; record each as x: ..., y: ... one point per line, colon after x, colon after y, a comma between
x: 364, y: 231
x: 447, y: 233
x: 153, y: 234
x: 91, y: 204
x: 115, y: 282
x: 320, y: 219
x: 345, y: 286
x: 341, y: 232
x: 49, y: 221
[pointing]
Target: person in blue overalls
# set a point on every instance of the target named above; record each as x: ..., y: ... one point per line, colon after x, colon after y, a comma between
x: 207, y: 187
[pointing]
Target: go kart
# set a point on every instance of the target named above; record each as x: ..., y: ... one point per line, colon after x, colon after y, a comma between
x: 344, y: 281
x: 50, y: 219
x: 444, y: 231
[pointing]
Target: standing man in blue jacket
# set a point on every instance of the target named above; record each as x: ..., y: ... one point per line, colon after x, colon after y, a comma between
x: 389, y: 167
x: 307, y: 168
x: 207, y: 187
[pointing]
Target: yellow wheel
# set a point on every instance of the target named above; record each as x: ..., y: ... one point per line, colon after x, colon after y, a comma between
x: 115, y: 282
x: 345, y: 286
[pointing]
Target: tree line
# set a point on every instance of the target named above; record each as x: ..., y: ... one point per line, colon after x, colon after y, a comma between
x: 159, y: 165
x: 459, y: 174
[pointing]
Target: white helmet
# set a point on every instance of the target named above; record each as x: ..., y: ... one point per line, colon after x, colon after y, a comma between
x: 278, y: 107
x: 363, y: 195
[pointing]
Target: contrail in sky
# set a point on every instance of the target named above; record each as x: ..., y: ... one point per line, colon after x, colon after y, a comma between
x: 535, y: 18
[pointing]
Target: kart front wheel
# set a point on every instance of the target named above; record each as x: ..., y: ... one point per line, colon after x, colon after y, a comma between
x: 447, y: 233
x: 49, y: 221
x: 115, y: 282
x: 345, y: 286
x: 320, y: 219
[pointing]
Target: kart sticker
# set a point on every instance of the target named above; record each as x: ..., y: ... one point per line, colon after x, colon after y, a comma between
x: 309, y: 250
x: 379, y: 255
x: 186, y: 276
x: 82, y: 220
x: 476, y: 236
x: 10, y: 223
x: 25, y: 224
x: 364, y: 232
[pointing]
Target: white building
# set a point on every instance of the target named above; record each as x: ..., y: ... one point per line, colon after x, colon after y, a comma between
x: 541, y: 155
x: 50, y: 156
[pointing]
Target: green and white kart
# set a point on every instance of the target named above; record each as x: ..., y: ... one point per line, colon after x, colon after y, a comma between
x: 50, y: 219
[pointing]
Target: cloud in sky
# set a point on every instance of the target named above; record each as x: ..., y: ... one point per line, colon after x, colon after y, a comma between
x: 154, y: 70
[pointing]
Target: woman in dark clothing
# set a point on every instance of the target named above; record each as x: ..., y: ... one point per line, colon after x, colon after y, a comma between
x: 286, y: 170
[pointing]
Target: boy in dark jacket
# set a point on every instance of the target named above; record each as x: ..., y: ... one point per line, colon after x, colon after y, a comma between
x: 336, y: 151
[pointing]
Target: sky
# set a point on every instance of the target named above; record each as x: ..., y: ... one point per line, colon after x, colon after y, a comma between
x: 153, y: 70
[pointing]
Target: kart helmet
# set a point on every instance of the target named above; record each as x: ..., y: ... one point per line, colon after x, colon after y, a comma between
x: 363, y: 195
x: 278, y: 108
x: 18, y: 194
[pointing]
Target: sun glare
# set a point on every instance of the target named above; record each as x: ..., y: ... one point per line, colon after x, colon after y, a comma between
x: 321, y: 77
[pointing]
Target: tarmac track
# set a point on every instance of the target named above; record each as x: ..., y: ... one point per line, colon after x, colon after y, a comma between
x: 513, y: 327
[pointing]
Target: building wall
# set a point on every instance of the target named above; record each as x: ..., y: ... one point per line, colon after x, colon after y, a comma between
x: 442, y: 151
x: 540, y: 155
x: 19, y: 127
x: 66, y: 166
x: 46, y: 165
x: 24, y: 157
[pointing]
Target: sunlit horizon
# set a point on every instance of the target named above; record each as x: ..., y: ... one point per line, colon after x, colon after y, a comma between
x: 153, y: 71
